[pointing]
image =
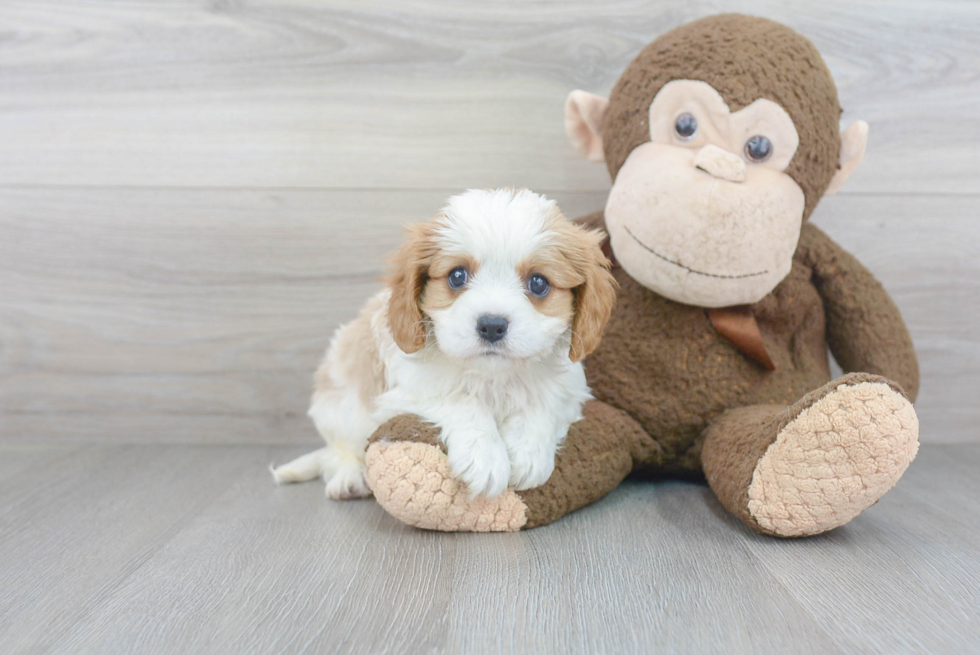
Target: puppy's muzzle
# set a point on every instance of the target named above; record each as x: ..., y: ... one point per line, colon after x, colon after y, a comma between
x: 492, y: 328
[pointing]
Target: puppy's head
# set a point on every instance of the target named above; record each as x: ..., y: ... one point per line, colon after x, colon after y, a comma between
x: 501, y: 275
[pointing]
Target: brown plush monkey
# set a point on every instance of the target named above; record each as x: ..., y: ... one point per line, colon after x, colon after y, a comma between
x: 720, y: 138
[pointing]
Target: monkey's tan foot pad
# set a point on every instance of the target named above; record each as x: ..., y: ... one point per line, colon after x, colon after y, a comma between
x: 835, y: 459
x: 412, y: 482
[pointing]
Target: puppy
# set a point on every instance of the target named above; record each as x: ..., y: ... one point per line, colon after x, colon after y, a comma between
x: 480, y: 331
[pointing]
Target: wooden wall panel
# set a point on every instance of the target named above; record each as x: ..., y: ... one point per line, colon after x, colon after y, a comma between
x: 200, y: 314
x: 425, y: 94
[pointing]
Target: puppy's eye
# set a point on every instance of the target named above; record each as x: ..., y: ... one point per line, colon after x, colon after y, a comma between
x: 758, y: 148
x: 538, y: 285
x: 457, y: 277
x: 686, y: 126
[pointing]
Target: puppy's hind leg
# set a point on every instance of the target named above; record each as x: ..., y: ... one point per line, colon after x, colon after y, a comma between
x: 348, y: 379
x: 302, y: 469
x: 345, y: 424
x: 342, y: 470
x: 347, y: 479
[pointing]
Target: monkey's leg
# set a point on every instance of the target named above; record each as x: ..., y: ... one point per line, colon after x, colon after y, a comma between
x: 409, y: 473
x: 813, y: 466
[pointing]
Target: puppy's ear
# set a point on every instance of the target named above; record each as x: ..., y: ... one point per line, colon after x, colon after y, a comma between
x: 411, y: 267
x: 595, y: 298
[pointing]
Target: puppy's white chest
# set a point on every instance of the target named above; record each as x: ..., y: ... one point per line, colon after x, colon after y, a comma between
x: 507, y: 396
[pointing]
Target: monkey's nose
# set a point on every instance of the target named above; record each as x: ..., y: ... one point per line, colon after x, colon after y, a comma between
x: 492, y: 328
x: 720, y: 163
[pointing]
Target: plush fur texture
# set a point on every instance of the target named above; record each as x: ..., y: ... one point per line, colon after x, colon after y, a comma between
x: 835, y: 459
x: 785, y: 471
x: 699, y: 374
x: 406, y: 468
x: 810, y: 467
x: 503, y: 405
x: 739, y: 56
x: 741, y: 214
x: 785, y: 448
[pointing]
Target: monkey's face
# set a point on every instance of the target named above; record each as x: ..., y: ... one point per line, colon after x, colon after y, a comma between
x: 704, y: 213
x: 707, y: 203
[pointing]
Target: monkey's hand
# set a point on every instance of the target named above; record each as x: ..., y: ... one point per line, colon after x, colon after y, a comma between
x: 865, y: 330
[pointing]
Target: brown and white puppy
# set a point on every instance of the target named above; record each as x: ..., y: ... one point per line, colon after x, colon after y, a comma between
x: 481, y: 331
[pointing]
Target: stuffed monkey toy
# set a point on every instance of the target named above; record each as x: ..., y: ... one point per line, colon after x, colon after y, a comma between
x: 720, y: 138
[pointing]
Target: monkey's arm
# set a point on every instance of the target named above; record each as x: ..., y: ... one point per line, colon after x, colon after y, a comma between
x: 865, y: 330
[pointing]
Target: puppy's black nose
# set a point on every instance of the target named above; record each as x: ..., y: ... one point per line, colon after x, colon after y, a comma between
x: 492, y: 328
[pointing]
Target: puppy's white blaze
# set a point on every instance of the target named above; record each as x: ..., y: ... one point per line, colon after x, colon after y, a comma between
x: 502, y: 415
x: 498, y: 228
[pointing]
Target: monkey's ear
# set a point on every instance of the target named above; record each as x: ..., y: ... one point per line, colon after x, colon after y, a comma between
x: 853, y: 141
x: 584, y: 114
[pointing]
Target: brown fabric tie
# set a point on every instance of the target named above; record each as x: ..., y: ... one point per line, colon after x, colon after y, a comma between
x: 738, y: 325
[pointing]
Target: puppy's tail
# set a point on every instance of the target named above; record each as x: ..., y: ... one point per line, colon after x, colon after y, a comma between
x: 302, y: 469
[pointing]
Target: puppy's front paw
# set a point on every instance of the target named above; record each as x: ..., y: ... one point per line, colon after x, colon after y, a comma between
x: 531, y: 467
x: 481, y: 463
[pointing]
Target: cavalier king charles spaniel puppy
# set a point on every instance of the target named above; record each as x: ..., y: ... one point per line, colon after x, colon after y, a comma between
x: 481, y: 331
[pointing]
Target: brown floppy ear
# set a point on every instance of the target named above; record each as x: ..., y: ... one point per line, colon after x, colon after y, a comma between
x: 411, y: 267
x: 594, y: 299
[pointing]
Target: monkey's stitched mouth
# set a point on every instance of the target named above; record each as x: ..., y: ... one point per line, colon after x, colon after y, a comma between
x: 686, y: 268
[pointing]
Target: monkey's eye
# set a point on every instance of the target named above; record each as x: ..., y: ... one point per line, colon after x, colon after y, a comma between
x: 686, y: 126
x: 758, y: 148
x: 538, y: 285
x: 457, y: 277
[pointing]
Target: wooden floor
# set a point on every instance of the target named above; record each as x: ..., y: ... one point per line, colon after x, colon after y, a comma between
x: 194, y: 193
x: 192, y: 549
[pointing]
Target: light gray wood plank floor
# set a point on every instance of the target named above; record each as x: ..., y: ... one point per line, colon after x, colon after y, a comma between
x: 192, y: 549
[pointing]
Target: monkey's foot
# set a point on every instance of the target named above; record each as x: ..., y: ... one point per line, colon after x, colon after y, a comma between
x: 847, y: 446
x: 408, y: 471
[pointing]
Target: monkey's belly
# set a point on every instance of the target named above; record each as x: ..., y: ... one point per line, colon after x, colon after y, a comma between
x: 665, y: 365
